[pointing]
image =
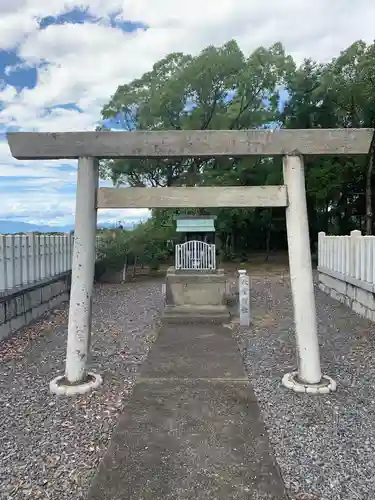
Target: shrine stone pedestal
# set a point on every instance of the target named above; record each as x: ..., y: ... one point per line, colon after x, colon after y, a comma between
x: 196, y: 296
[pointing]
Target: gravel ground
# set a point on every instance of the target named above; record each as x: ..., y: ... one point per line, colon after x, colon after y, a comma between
x: 49, y: 446
x: 325, y: 445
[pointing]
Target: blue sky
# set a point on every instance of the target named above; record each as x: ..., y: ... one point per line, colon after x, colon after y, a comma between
x: 61, y: 60
x: 20, y: 183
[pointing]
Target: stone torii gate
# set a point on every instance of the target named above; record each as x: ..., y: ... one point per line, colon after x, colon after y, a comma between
x: 88, y: 147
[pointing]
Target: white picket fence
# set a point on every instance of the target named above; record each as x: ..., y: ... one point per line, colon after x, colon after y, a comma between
x: 195, y: 255
x: 30, y: 258
x: 351, y: 256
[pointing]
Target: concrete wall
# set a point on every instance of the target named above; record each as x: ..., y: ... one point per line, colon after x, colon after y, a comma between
x: 20, y: 307
x: 354, y: 293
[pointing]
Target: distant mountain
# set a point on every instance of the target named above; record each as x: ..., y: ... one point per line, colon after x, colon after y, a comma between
x: 13, y: 226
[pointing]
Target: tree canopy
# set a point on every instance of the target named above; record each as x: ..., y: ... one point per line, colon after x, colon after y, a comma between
x: 222, y: 88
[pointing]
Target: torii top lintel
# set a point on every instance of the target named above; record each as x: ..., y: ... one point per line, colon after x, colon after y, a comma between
x: 192, y: 143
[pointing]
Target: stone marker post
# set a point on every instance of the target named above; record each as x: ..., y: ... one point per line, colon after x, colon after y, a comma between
x: 244, y: 297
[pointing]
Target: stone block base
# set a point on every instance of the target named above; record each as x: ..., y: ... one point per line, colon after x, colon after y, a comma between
x: 357, y: 295
x: 20, y: 307
x: 196, y: 314
x: 196, y: 296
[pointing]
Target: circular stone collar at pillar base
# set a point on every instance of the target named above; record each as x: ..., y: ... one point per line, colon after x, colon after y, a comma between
x: 325, y: 386
x: 62, y: 387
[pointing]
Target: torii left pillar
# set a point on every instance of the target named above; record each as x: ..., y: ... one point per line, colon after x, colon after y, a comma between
x: 77, y: 380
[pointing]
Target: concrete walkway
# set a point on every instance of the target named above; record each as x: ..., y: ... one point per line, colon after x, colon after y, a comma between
x: 192, y: 428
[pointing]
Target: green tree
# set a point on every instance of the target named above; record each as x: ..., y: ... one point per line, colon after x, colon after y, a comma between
x: 218, y: 89
x: 349, y: 82
x: 222, y: 88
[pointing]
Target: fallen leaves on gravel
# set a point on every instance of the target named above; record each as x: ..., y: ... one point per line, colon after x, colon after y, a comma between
x: 14, y: 347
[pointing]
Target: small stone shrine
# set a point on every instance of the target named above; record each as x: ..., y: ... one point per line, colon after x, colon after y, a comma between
x: 195, y: 288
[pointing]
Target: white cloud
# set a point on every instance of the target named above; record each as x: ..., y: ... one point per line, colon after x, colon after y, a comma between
x: 45, y: 203
x: 9, y: 166
x: 8, y: 93
x: 84, y: 63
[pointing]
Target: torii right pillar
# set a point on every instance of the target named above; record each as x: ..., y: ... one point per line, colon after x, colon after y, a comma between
x: 308, y: 378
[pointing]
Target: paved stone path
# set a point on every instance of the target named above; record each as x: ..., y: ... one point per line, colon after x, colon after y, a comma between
x: 192, y: 428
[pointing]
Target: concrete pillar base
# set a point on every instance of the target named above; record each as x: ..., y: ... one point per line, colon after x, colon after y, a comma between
x: 325, y: 386
x: 62, y: 387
